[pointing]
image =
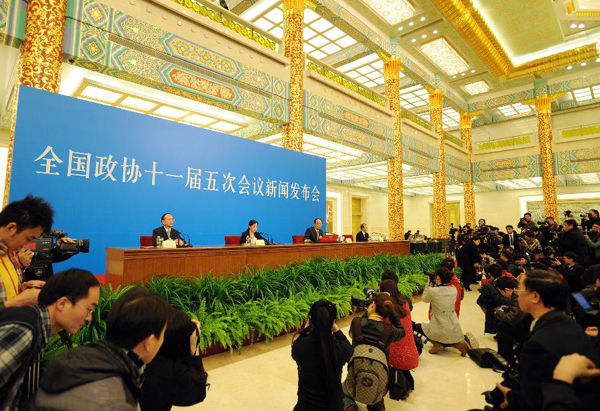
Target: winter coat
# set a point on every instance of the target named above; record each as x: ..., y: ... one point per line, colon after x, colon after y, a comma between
x: 444, y: 326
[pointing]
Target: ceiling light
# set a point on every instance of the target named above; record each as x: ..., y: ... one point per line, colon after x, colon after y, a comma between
x: 574, y: 26
x: 271, y: 138
x: 581, y: 26
x: 412, y: 23
x: 400, y: 28
x: 413, y: 41
x: 473, y: 71
x: 435, y: 32
x: 569, y: 67
x: 132, y: 102
x: 332, y: 146
x: 424, y: 36
x: 198, y: 119
x: 423, y: 18
x: 584, y: 64
x: 462, y: 74
x: 169, y: 112
x: 476, y: 88
x: 454, y: 76
x: 393, y: 12
x: 101, y: 94
x: 598, y: 60
x: 443, y: 55
x: 224, y: 126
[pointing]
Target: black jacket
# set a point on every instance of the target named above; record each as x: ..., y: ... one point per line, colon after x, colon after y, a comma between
x: 553, y: 336
x: 490, y: 299
x: 246, y: 234
x: 311, y: 234
x: 170, y: 382
x: 360, y: 236
x: 573, y: 240
x: 506, y: 240
x: 573, y: 277
x: 312, y: 391
x: 468, y: 254
x: 513, y: 315
x: 160, y: 231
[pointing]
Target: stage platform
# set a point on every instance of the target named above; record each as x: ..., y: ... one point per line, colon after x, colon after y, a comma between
x: 133, y: 265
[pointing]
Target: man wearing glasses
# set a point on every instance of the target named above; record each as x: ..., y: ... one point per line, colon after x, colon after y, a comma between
x: 166, y: 231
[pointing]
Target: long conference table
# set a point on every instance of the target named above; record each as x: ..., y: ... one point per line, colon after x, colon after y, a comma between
x: 126, y: 266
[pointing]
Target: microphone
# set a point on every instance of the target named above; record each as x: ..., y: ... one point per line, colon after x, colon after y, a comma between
x: 268, y: 238
x: 189, y: 241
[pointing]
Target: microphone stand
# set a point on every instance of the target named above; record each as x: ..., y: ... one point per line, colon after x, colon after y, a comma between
x: 268, y: 238
x: 189, y: 241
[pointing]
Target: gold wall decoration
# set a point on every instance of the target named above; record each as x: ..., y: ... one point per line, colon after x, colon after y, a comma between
x: 436, y: 104
x: 293, y: 25
x: 544, y: 117
x: 468, y: 186
x: 40, y: 58
x: 391, y: 73
x: 467, y: 20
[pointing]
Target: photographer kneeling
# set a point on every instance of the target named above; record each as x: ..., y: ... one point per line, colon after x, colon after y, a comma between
x: 513, y: 323
x: 444, y: 328
x: 371, y: 340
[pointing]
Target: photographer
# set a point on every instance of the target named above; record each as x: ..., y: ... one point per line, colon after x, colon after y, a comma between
x: 321, y: 350
x: 39, y: 262
x: 544, y: 296
x: 571, y: 271
x: 20, y: 222
x: 371, y: 329
x: 595, y: 243
x: 571, y: 239
x: 513, y: 323
x: 531, y: 243
x: 490, y: 298
x: 525, y: 222
x: 469, y: 259
x: 443, y: 328
x: 589, y: 219
x: 549, y: 227
x: 176, y: 375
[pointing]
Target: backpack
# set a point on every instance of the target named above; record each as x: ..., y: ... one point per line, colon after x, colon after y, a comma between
x: 367, y: 380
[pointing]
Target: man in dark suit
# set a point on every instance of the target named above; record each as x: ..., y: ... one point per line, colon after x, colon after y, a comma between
x: 362, y: 235
x: 167, y: 232
x: 469, y: 259
x: 314, y: 234
x: 571, y: 239
x: 544, y: 296
x: 511, y: 238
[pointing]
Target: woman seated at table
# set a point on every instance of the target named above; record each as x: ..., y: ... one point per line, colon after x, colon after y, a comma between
x: 250, y: 235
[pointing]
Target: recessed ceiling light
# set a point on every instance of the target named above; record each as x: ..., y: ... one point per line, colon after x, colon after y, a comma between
x: 454, y: 76
x: 443, y: 55
x: 473, y: 71
x: 400, y: 28
x: 393, y: 12
x: 584, y: 64
x: 476, y: 88
x: 598, y: 60
x: 574, y: 26
x: 569, y: 67
x: 413, y: 40
x: 462, y: 74
x: 424, y: 36
x: 423, y: 18
x: 412, y: 23
x: 435, y: 32
x: 581, y: 26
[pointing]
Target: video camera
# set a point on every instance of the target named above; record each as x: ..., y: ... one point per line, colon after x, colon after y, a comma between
x: 46, y: 252
x: 370, y: 293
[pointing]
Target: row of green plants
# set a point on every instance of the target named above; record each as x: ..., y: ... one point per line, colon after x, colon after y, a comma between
x: 263, y: 303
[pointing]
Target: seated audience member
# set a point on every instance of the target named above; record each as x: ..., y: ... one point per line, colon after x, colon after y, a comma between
x: 511, y: 238
x: 166, y: 231
x: 20, y: 222
x: 491, y: 298
x: 571, y: 239
x: 66, y: 302
x: 443, y: 327
x: 250, y: 235
x: 590, y: 279
x: 108, y: 374
x: 314, y: 234
x: 531, y: 242
x: 559, y: 392
x: 403, y: 354
x: 506, y: 262
x: 521, y: 265
x: 362, y: 235
x: 320, y: 351
x: 571, y: 271
x: 513, y: 323
x: 372, y: 327
x: 176, y: 376
x: 543, y: 295
x: 594, y: 242
x: 469, y: 259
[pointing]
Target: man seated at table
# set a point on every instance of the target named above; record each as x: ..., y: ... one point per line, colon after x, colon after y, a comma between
x: 167, y: 232
x: 362, y: 235
x: 314, y: 234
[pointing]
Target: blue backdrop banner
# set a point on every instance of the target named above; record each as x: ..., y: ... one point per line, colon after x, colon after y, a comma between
x: 110, y: 174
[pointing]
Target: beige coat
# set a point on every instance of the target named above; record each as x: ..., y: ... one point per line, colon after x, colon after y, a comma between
x: 443, y: 326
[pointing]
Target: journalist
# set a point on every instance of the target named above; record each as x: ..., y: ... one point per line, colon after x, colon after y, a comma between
x: 469, y: 259
x: 594, y: 242
x: 588, y: 220
x: 513, y: 323
x: 491, y: 298
x: 571, y: 239
x: 525, y: 223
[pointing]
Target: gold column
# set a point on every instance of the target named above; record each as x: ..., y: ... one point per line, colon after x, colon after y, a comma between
x: 469, y: 186
x: 293, y: 25
x: 391, y: 72
x: 544, y: 117
x: 40, y: 59
x: 436, y: 104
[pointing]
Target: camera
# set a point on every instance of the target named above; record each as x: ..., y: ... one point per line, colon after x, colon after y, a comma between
x: 370, y: 293
x: 46, y: 252
x: 431, y: 276
x: 583, y: 215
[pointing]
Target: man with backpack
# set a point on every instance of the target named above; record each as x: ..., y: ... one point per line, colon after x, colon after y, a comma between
x: 367, y: 380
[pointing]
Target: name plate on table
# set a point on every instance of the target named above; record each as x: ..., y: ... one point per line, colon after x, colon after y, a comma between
x: 260, y: 242
x: 169, y: 244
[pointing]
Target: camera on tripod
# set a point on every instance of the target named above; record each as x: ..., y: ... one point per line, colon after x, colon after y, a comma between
x: 46, y: 251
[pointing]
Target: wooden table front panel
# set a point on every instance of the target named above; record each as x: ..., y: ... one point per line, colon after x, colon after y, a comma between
x: 133, y: 265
